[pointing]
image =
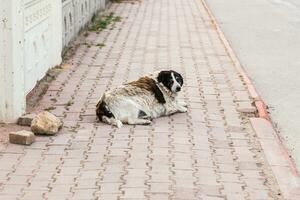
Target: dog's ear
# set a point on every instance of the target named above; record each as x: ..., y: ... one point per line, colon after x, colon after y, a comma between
x: 178, y: 77
x: 181, y: 79
x: 162, y: 76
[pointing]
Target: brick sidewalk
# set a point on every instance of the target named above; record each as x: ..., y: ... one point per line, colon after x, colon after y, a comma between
x: 210, y: 152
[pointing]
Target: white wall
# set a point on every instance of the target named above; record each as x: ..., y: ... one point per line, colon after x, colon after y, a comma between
x: 32, y: 35
x: 42, y: 46
x: 12, y: 93
x: 76, y: 14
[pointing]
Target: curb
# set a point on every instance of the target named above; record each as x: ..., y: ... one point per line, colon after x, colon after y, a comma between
x: 258, y: 102
x: 276, y: 156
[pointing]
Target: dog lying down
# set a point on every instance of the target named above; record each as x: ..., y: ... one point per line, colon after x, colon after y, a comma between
x: 140, y: 101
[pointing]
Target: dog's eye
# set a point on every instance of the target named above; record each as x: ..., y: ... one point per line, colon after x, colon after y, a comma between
x: 178, y: 79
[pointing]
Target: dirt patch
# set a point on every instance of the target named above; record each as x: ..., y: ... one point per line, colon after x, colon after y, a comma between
x: 40, y: 89
x: 5, y: 129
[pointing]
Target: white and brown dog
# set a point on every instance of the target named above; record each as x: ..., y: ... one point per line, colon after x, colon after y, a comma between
x: 138, y: 102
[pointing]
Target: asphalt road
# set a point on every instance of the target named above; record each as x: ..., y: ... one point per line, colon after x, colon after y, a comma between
x: 265, y: 35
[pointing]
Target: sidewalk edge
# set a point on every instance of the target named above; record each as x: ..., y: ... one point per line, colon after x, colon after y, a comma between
x: 258, y: 102
x: 287, y: 178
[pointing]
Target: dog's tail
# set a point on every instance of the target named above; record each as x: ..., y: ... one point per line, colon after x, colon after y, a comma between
x: 104, y: 114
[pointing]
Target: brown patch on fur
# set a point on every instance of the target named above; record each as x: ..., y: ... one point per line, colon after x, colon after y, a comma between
x: 144, y: 83
x: 150, y: 85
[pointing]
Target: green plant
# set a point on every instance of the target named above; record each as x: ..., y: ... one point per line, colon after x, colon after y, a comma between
x: 50, y: 108
x: 117, y: 19
x: 100, y: 45
x: 69, y: 103
x: 102, y: 23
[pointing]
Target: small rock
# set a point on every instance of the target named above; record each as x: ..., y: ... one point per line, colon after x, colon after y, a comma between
x: 22, y: 137
x: 46, y: 123
x: 26, y: 120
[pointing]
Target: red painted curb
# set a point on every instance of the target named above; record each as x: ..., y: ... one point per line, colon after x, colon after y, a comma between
x: 262, y: 110
x: 258, y: 102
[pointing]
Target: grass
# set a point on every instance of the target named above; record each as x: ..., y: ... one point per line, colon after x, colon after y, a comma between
x: 99, y: 24
x: 100, y: 45
x: 50, y: 108
x: 69, y: 103
x: 102, y: 23
x: 87, y: 44
x: 117, y: 19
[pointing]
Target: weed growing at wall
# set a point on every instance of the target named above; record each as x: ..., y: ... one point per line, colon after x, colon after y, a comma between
x: 100, y: 45
x: 103, y: 22
x: 50, y: 108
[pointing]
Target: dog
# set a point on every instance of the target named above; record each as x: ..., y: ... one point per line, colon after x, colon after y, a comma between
x: 140, y: 101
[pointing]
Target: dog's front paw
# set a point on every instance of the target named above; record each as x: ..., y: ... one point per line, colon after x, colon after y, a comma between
x: 119, y: 124
x: 147, y: 122
x: 182, y: 103
x: 182, y: 109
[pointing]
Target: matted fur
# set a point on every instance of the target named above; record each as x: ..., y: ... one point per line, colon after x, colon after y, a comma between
x: 149, y: 84
x: 138, y: 102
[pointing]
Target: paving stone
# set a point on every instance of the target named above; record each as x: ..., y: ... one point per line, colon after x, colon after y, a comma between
x: 22, y: 137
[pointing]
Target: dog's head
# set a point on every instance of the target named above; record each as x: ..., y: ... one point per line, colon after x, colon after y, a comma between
x: 171, y: 80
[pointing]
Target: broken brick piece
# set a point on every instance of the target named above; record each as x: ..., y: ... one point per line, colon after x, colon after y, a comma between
x: 22, y: 137
x: 26, y: 120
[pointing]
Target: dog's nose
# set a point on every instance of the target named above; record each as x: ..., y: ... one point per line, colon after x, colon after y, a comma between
x: 178, y: 89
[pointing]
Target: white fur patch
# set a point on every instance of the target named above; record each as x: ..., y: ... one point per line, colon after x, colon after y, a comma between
x: 175, y: 83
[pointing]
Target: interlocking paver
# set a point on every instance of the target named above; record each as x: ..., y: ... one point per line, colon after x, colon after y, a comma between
x: 210, y: 152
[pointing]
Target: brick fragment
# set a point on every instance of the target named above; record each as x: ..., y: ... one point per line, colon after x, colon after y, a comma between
x: 26, y: 120
x: 22, y: 137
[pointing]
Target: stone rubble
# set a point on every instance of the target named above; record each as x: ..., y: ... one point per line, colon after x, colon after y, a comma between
x: 45, y: 123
